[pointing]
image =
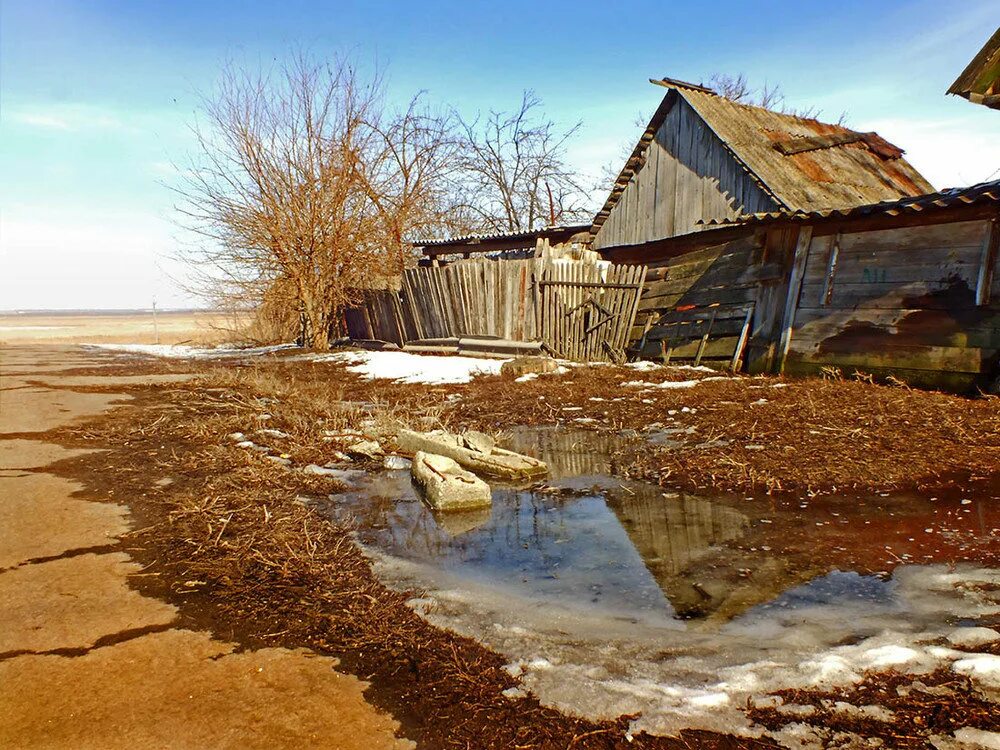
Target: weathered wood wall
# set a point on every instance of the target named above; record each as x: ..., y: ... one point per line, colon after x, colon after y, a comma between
x: 703, y: 293
x: 378, y: 316
x: 688, y: 175
x: 580, y: 309
x: 919, y: 302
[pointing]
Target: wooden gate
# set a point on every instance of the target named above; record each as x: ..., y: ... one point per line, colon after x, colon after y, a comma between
x: 586, y: 310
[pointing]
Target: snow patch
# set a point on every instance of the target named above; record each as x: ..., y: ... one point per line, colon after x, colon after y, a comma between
x: 668, y: 384
x: 406, y: 367
x: 984, y: 667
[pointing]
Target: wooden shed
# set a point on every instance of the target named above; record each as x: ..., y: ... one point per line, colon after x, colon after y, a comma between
x: 980, y: 81
x: 704, y: 157
x: 904, y: 288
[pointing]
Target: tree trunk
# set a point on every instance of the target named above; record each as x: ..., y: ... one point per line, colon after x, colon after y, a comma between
x: 317, y: 324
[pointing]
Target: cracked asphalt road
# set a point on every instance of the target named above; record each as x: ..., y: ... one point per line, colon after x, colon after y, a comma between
x: 86, y: 661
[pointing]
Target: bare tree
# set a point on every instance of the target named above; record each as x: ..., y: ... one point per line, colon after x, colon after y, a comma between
x: 738, y: 89
x: 304, y: 183
x: 514, y: 171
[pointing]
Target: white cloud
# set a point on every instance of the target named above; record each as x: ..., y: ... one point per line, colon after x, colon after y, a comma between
x: 950, y: 152
x: 68, y: 117
x: 42, y: 120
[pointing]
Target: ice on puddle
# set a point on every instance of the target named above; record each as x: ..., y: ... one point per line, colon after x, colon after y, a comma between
x: 539, y: 663
x: 710, y: 699
x: 973, y: 636
x: 974, y: 739
x: 984, y: 667
x: 888, y: 656
x: 396, y: 463
x: 345, y: 475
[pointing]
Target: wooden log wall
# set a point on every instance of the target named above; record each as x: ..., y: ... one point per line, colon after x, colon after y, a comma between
x: 917, y: 302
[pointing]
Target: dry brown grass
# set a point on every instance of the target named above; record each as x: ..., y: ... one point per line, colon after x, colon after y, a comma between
x: 230, y: 539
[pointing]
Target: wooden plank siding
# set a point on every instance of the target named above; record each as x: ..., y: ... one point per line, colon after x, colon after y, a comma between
x: 919, y: 302
x: 688, y: 176
x: 907, y: 302
x: 705, y: 292
x: 581, y: 310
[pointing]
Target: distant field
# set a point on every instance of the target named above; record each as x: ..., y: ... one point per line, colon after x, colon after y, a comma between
x: 137, y: 327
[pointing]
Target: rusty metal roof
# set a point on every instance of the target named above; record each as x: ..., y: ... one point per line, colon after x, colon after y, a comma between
x: 983, y: 193
x: 802, y: 163
x: 484, y: 243
x: 980, y: 81
x: 472, y: 239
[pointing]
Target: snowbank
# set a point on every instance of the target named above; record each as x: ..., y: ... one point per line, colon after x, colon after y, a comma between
x: 413, y: 368
x: 390, y: 365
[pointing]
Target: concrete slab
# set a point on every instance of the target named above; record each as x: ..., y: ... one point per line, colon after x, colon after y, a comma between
x: 38, y: 518
x: 73, y: 602
x: 181, y: 689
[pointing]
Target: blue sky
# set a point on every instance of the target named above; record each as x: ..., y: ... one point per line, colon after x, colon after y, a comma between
x: 96, y: 97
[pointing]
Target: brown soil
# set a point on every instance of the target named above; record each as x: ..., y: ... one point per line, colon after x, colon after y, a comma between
x: 922, y: 706
x: 228, y: 538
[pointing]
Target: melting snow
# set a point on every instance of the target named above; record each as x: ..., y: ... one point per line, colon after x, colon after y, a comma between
x: 413, y: 368
x: 391, y: 365
x: 666, y: 384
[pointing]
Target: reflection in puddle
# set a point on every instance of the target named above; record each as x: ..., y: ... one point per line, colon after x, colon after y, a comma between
x: 588, y: 540
x: 613, y: 597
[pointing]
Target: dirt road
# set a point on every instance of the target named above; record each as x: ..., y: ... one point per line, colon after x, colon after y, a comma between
x: 88, y: 662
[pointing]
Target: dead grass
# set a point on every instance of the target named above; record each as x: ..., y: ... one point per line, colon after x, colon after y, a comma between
x: 230, y: 538
x: 918, y: 706
x: 226, y: 533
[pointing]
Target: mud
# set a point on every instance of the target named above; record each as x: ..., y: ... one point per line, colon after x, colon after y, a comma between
x: 88, y: 661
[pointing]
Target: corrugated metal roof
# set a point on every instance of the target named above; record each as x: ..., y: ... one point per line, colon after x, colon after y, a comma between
x: 980, y: 81
x: 467, y: 239
x: 803, y: 163
x: 984, y: 192
x: 862, y: 170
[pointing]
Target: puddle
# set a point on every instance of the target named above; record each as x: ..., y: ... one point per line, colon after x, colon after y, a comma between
x: 585, y: 540
x: 619, y: 597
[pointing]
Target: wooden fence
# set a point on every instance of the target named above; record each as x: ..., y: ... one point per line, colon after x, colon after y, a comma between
x: 579, y: 310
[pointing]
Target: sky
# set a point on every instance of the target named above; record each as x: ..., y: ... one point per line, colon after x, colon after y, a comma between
x: 97, y: 99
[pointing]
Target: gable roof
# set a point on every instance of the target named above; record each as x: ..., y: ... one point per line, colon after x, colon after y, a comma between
x: 801, y: 163
x: 980, y: 81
